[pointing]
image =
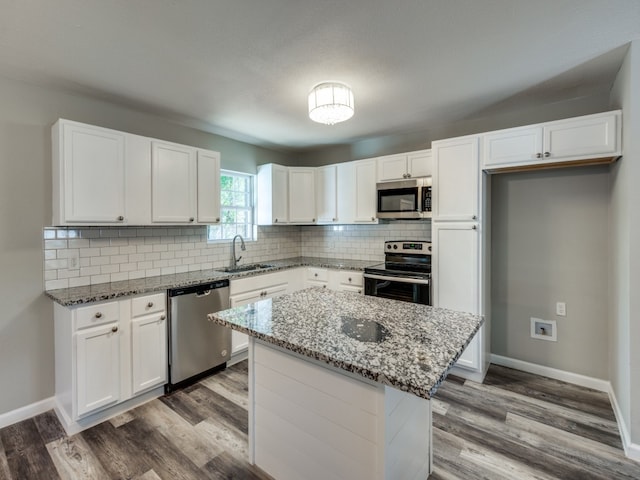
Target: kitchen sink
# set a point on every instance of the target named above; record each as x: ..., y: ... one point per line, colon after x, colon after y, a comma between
x: 246, y: 268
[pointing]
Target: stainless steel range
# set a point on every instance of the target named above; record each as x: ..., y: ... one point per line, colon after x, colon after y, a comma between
x: 405, y: 274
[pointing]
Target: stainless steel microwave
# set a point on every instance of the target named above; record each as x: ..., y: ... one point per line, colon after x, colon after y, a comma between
x: 409, y: 199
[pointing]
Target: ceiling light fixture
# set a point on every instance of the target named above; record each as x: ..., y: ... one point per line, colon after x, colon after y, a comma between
x: 330, y: 103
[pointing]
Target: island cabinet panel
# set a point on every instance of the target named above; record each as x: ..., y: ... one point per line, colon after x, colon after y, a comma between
x: 312, y: 421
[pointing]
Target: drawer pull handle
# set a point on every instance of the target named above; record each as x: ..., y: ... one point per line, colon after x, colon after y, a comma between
x: 120, y: 218
x: 98, y: 315
x: 315, y: 274
x: 150, y: 304
x: 114, y: 329
x: 547, y: 154
x: 191, y: 219
x: 162, y: 317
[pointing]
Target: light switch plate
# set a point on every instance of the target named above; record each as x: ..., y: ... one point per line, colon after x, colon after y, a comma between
x: 561, y: 309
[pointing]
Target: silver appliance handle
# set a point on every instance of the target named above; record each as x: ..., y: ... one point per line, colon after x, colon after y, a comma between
x: 397, y: 279
x: 203, y: 294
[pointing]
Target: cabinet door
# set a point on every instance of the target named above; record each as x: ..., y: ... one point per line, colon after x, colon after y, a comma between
x: 456, y: 266
x: 208, y: 187
x: 93, y: 160
x: 302, y: 197
x: 98, y: 367
x: 366, y: 206
x: 586, y: 137
x: 346, y: 181
x: 149, y: 351
x: 326, y: 194
x: 173, y: 183
x: 512, y: 146
x: 392, y: 167
x: 420, y: 164
x: 455, y: 179
x: 239, y: 340
x: 280, y: 194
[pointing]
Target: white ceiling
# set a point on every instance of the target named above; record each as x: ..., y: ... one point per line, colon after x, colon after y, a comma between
x: 243, y: 68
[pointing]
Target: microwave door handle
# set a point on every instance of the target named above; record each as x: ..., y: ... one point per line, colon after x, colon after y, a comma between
x: 419, y: 281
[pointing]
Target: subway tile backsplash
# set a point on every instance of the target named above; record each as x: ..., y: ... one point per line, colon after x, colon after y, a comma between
x: 109, y: 254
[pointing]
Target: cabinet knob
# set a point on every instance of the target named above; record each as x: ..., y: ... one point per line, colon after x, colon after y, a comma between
x: 373, y: 219
x: 538, y: 155
x: 313, y: 219
x: 150, y: 304
x: 120, y: 218
x: 408, y: 175
x: 547, y: 154
x: 474, y: 227
x: 191, y: 219
x: 162, y: 317
x: 98, y: 315
x: 315, y: 274
x: 349, y: 279
x: 359, y: 291
x: 217, y: 219
x: 333, y: 219
x: 275, y: 220
x: 474, y: 217
x: 114, y: 329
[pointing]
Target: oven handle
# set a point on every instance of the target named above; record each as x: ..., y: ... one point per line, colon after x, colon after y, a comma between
x: 397, y: 279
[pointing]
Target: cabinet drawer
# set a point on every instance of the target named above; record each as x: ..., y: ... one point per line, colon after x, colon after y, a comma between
x: 148, y: 304
x: 349, y: 278
x: 317, y: 274
x: 97, y: 315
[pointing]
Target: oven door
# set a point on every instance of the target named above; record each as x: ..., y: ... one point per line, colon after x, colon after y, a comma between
x: 414, y: 290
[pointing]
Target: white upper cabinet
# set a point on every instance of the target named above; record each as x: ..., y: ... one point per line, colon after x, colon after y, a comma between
x: 365, y: 191
x: 88, y: 174
x: 173, y: 185
x: 326, y: 194
x: 405, y: 165
x: 208, y: 187
x: 456, y: 170
x: 302, y: 197
x: 346, y: 195
x: 106, y: 177
x: 273, y: 194
x: 589, y: 139
x: 185, y: 184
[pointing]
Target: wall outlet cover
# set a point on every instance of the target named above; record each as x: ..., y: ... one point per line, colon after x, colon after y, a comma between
x: 544, y: 329
x: 561, y: 309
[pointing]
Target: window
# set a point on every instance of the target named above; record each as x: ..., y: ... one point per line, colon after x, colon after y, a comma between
x: 236, y: 207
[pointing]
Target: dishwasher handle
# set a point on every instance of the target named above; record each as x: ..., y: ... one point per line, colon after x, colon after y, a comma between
x: 203, y: 293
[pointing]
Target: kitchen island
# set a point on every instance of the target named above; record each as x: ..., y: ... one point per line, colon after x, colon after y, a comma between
x: 340, y: 383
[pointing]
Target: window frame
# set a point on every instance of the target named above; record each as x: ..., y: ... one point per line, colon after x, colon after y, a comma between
x: 251, y: 225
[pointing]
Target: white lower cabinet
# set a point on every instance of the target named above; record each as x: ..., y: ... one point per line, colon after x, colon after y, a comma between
x: 253, y: 289
x: 107, y: 353
x: 98, y: 367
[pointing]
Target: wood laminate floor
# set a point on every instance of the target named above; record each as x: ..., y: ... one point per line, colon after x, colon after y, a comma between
x: 514, y: 426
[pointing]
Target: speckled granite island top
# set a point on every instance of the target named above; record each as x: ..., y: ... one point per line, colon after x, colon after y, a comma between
x: 107, y: 291
x: 416, y: 347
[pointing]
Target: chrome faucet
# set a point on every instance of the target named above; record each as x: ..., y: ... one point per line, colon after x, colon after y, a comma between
x: 242, y: 247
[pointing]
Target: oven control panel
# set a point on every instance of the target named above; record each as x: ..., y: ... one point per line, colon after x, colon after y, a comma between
x: 406, y: 246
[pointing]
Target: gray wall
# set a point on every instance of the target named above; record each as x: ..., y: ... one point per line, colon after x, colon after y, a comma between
x: 26, y: 319
x: 550, y: 244
x: 624, y: 271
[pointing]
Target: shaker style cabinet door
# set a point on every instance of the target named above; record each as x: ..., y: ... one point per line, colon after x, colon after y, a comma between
x: 302, y: 197
x: 93, y: 160
x: 326, y: 194
x: 392, y: 167
x: 513, y: 145
x: 588, y: 136
x: 149, y: 351
x: 456, y: 176
x: 208, y: 187
x: 173, y: 183
x: 366, y: 202
x: 98, y: 367
x: 420, y: 164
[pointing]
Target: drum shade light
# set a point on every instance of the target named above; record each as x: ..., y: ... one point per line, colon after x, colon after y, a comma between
x: 330, y: 103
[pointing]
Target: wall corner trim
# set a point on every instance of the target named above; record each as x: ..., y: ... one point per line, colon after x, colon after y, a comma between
x: 631, y: 450
x: 28, y: 411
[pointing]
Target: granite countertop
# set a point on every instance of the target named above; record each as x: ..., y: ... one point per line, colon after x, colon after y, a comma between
x: 107, y: 291
x: 421, y: 343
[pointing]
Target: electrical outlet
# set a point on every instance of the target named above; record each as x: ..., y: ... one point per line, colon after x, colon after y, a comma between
x: 561, y: 309
x: 73, y: 260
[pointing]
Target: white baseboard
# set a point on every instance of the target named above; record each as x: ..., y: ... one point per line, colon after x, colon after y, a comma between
x: 569, y: 377
x: 631, y: 450
x: 28, y: 411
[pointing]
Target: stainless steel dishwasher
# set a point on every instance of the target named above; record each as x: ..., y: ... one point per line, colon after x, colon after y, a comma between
x: 197, y: 346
